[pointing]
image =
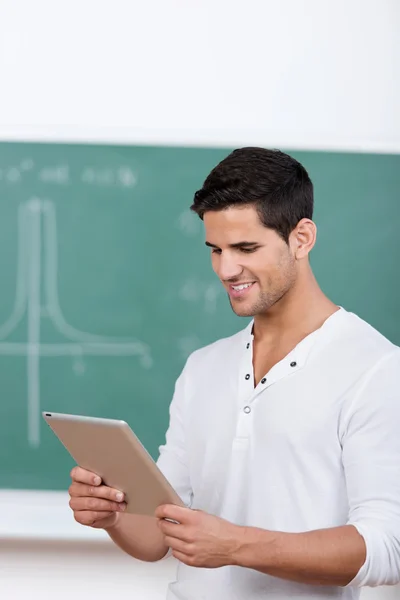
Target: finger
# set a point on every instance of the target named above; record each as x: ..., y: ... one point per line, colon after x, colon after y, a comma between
x: 185, y: 558
x: 177, y: 513
x: 86, y: 517
x: 178, y: 545
x: 101, y: 491
x: 175, y: 531
x: 95, y: 504
x: 83, y: 476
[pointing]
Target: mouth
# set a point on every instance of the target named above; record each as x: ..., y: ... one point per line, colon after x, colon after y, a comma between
x: 241, y: 290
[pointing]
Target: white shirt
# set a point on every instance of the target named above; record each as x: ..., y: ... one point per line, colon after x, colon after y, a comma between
x: 315, y: 445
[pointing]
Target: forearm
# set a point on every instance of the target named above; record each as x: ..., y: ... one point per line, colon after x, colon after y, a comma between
x: 321, y: 557
x: 139, y: 536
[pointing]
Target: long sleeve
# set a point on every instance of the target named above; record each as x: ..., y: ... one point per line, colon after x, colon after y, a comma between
x: 371, y: 459
x: 173, y: 461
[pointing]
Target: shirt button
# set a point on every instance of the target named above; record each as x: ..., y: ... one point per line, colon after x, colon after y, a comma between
x: 293, y: 364
x: 247, y: 410
x: 247, y: 376
x: 263, y: 380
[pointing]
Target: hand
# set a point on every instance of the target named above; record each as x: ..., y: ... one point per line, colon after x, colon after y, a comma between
x: 199, y: 539
x: 94, y: 504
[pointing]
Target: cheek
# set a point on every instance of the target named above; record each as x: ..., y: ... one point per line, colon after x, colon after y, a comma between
x: 262, y: 267
x: 273, y: 270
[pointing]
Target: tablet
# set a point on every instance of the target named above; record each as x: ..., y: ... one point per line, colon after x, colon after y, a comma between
x: 109, y: 448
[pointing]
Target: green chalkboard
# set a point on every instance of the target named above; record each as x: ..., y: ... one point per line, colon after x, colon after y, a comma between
x: 106, y: 285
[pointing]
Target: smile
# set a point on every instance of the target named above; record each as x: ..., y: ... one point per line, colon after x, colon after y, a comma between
x: 240, y: 290
x: 242, y: 286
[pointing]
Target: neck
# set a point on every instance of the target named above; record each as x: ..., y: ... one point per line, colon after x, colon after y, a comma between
x: 303, y: 309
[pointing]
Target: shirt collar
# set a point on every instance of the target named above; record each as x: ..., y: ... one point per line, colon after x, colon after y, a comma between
x: 298, y: 356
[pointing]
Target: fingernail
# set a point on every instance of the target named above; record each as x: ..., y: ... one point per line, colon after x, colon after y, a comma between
x: 96, y: 480
x: 122, y: 506
x: 119, y: 496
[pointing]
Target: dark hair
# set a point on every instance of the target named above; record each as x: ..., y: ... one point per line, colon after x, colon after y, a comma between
x: 275, y: 183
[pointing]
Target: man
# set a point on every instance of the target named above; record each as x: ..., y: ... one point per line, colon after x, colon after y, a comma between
x: 284, y: 439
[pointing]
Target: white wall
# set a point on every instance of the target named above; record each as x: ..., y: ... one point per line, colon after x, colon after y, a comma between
x: 293, y: 74
x: 66, y: 570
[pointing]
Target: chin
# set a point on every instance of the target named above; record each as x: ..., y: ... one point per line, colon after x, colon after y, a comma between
x: 243, y: 311
x: 246, y: 309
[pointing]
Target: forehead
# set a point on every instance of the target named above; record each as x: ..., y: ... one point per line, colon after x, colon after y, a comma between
x: 234, y: 225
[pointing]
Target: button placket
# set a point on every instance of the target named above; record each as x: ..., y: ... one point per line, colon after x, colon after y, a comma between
x: 246, y: 392
x: 285, y: 367
x: 246, y: 376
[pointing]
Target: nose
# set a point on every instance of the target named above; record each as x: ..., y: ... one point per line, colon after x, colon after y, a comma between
x: 228, y: 267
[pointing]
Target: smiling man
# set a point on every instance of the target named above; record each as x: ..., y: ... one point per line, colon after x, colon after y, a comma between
x: 284, y: 439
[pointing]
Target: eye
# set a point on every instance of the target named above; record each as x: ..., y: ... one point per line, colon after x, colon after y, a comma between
x: 248, y: 250
x: 215, y: 251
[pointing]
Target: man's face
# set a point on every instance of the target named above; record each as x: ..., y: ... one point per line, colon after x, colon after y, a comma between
x: 247, y: 254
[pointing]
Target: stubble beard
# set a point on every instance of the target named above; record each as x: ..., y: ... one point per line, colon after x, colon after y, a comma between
x: 264, y: 302
x: 266, y: 299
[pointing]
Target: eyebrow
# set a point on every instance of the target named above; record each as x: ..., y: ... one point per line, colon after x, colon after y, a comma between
x: 236, y: 245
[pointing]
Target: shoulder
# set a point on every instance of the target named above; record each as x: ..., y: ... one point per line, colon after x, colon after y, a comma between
x: 375, y: 405
x: 366, y: 330
x: 218, y: 352
x: 361, y: 343
x: 374, y: 362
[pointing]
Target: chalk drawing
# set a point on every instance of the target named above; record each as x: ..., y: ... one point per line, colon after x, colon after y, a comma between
x: 37, y: 258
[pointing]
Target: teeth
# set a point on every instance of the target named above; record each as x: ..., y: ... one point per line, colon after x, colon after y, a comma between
x: 241, y: 287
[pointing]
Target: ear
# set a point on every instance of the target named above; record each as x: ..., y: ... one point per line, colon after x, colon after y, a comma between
x: 303, y: 238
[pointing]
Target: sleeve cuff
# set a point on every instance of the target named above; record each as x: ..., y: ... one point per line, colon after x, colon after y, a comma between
x: 362, y: 576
